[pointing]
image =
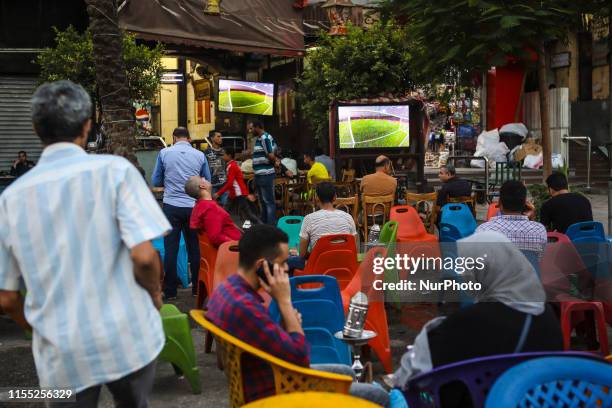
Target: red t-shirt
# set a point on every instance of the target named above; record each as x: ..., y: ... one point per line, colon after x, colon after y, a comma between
x: 235, y: 181
x: 208, y: 217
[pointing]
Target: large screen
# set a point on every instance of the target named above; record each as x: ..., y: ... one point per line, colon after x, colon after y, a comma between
x: 375, y: 126
x: 256, y: 98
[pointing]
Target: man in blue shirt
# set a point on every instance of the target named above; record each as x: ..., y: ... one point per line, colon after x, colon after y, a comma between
x: 174, y: 166
x: 263, y: 166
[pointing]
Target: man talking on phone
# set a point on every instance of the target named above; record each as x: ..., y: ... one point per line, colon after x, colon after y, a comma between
x: 237, y: 308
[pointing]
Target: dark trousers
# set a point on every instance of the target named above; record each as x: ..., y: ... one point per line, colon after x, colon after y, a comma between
x: 179, y: 219
x: 265, y: 193
x: 130, y: 391
x: 241, y: 207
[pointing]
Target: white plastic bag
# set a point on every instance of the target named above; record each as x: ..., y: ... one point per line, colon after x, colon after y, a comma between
x: 533, y: 161
x: 487, y: 138
x: 516, y: 128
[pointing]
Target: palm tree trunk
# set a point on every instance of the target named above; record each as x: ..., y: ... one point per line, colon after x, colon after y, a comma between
x: 544, y: 114
x: 117, y: 112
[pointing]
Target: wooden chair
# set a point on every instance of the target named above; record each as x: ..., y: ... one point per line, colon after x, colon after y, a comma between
x: 469, y: 200
x: 373, y: 207
x: 346, y: 189
x: 280, y: 195
x: 349, y: 205
x: 288, y: 377
x: 298, y: 202
x: 348, y: 175
x: 428, y: 201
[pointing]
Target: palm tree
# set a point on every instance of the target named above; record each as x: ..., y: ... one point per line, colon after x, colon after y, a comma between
x: 111, y: 79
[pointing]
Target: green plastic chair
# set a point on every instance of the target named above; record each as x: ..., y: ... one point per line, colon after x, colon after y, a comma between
x: 388, y: 236
x: 291, y: 225
x: 179, y: 350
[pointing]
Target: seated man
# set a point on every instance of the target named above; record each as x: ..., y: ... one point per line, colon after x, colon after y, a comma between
x: 564, y: 208
x: 514, y: 221
x: 236, y: 307
x: 208, y: 216
x: 452, y: 186
x: 317, y: 170
x: 380, y: 183
x: 321, y: 157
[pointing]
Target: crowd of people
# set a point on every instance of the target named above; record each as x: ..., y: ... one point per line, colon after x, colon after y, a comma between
x: 81, y: 246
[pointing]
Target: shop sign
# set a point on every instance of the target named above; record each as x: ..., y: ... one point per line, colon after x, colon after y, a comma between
x: 172, y: 77
x: 201, y: 89
x: 560, y: 60
x: 600, y: 53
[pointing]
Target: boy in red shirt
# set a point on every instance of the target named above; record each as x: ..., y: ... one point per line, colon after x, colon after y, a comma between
x: 238, y: 191
x: 208, y: 216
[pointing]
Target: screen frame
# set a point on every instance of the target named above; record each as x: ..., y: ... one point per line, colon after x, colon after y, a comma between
x: 274, y: 98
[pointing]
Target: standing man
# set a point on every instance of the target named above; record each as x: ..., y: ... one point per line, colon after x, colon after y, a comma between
x: 214, y: 155
x: 77, y: 231
x: 263, y: 165
x: 21, y: 165
x: 175, y: 164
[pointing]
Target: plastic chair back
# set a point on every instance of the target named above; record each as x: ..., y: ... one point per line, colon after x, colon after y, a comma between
x: 478, y: 375
x: 288, y: 377
x: 554, y: 382
x: 460, y: 216
x: 448, y: 233
x: 291, y: 225
x: 208, y: 260
x: 333, y: 255
x: 554, y: 237
x: 493, y: 210
x: 410, y: 224
x: 588, y: 231
x: 321, y: 308
x: 227, y: 262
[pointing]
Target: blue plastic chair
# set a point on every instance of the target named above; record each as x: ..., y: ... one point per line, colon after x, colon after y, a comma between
x: 590, y: 241
x: 588, y: 231
x: 291, y: 225
x: 448, y: 233
x: 554, y: 382
x: 182, y: 269
x: 322, y: 311
x: 460, y: 216
x: 533, y: 258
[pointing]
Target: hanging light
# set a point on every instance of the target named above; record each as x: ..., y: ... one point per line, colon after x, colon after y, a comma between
x: 339, y: 14
x: 213, y: 7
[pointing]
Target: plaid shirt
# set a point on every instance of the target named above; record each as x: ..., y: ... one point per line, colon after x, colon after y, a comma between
x: 526, y: 235
x: 238, y: 309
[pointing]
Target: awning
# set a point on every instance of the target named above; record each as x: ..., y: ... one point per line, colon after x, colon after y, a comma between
x: 260, y: 26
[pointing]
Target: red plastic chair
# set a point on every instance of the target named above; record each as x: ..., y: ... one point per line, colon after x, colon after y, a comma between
x: 208, y: 260
x: 567, y: 323
x: 334, y: 255
x: 554, y: 237
x: 493, y: 210
x: 376, y: 319
x: 411, y: 227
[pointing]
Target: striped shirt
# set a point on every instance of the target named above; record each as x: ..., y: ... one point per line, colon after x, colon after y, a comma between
x: 326, y: 222
x: 67, y: 229
x: 264, y: 145
x: 525, y: 234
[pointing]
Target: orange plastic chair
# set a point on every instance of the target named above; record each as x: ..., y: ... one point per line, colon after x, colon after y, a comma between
x: 376, y: 318
x: 493, y: 210
x: 208, y: 260
x: 411, y: 227
x: 334, y: 255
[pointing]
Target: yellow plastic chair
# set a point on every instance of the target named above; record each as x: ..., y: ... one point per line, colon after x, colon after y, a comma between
x: 288, y: 377
x: 312, y: 399
x: 609, y: 358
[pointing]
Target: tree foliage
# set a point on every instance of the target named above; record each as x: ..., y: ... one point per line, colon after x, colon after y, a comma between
x: 73, y: 58
x: 360, y: 64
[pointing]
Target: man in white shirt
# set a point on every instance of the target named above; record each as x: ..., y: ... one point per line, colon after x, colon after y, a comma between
x: 76, y: 233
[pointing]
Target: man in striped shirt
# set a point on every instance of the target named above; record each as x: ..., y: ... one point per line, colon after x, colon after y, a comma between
x: 76, y: 232
x: 263, y: 165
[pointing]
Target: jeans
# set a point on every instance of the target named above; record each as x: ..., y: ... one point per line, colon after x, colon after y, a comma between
x: 265, y: 192
x: 223, y: 198
x: 296, y: 262
x: 179, y: 219
x: 130, y: 391
x: 371, y: 392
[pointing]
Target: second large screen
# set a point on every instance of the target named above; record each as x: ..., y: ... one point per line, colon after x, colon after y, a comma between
x: 376, y: 126
x: 256, y: 98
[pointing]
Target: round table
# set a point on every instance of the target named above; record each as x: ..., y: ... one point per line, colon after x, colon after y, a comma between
x: 311, y: 399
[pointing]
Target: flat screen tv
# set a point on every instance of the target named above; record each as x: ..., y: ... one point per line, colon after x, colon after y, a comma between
x: 374, y: 126
x: 254, y: 98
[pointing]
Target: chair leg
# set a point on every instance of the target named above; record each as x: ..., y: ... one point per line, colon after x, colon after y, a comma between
x: 208, y: 342
x: 566, y: 327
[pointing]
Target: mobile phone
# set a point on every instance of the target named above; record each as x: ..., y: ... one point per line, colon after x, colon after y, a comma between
x: 260, y: 271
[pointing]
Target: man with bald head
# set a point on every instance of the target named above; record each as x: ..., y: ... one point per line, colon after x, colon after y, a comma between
x: 379, y: 183
x: 207, y: 216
